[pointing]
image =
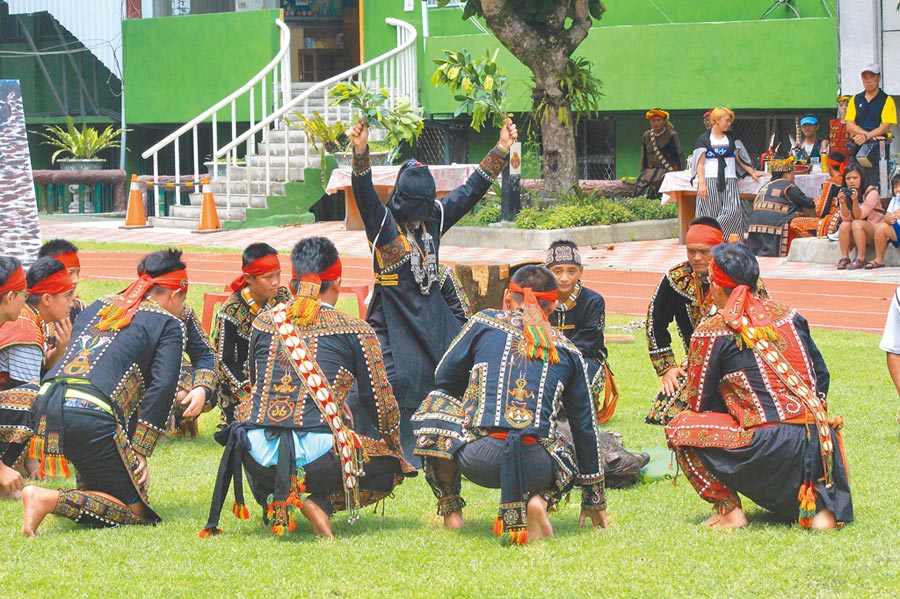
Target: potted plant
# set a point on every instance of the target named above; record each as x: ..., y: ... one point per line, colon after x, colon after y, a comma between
x: 83, y: 145
x: 324, y: 138
x: 402, y: 122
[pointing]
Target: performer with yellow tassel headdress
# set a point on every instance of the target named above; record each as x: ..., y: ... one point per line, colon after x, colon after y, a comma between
x: 502, y: 386
x: 105, y: 404
x: 295, y: 434
x: 757, y: 422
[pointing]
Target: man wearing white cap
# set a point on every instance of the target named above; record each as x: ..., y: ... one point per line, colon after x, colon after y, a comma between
x: 872, y: 112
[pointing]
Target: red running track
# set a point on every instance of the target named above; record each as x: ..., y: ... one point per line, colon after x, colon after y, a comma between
x: 847, y: 305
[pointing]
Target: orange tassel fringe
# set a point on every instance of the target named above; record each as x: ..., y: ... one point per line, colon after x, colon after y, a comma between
x: 210, y: 532
x: 807, y: 498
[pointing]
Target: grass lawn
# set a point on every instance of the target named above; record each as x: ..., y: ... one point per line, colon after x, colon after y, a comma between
x: 655, y: 546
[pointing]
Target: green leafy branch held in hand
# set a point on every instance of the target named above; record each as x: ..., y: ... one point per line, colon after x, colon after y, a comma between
x: 478, y: 84
x: 402, y: 122
x: 82, y: 145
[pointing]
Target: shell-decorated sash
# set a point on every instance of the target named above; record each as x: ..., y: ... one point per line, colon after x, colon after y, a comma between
x: 319, y: 390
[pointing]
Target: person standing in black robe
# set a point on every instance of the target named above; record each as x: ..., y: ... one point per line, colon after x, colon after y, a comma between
x: 413, y: 322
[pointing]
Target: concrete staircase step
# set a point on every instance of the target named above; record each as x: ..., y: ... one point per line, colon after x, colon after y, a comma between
x: 277, y: 148
x: 236, y: 213
x: 276, y: 172
x: 239, y: 192
x: 174, y: 222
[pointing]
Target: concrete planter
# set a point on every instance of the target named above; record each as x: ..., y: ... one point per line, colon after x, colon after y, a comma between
x: 534, y: 239
x: 81, y: 164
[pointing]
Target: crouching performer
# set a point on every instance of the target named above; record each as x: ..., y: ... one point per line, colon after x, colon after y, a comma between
x: 106, y: 402
x: 493, y: 417
x: 295, y: 435
x: 757, y: 422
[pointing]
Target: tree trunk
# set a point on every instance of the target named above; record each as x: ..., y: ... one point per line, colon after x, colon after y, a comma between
x: 545, y: 49
x: 560, y: 168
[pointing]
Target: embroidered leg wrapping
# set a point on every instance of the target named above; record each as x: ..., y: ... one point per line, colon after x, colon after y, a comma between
x: 706, y: 484
x: 96, y: 511
x: 448, y: 494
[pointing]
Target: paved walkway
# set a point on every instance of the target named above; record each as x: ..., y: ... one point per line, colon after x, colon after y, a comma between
x: 625, y: 273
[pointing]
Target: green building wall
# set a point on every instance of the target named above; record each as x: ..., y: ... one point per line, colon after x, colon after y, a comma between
x: 177, y: 67
x: 682, y: 56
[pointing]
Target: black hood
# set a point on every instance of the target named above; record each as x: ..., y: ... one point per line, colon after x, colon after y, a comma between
x: 414, y: 193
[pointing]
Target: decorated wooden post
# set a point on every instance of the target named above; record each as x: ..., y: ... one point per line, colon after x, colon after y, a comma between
x: 511, y: 191
x: 20, y: 230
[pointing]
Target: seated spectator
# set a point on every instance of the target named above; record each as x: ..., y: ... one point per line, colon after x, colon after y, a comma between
x: 859, y: 214
x: 827, y: 218
x: 888, y: 230
x: 660, y: 154
x: 775, y: 205
x: 870, y: 114
x: 810, y: 144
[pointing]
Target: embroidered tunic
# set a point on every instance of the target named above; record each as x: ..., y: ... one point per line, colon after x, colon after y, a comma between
x: 231, y: 339
x: 660, y: 154
x: 22, y: 346
x: 775, y: 205
x: 414, y: 325
x: 745, y: 431
x: 683, y: 296
x: 582, y: 319
x: 454, y: 294
x: 485, y: 383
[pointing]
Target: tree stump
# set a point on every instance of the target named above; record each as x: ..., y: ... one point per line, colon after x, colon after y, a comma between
x: 485, y: 282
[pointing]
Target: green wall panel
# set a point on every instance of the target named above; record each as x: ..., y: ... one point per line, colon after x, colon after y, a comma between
x: 714, y: 53
x: 177, y: 67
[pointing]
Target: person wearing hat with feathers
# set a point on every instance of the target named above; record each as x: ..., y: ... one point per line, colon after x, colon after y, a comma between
x: 660, y: 153
x: 414, y: 324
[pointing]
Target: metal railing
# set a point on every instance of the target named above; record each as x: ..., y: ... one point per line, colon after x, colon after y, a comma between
x: 394, y: 70
x: 276, y: 73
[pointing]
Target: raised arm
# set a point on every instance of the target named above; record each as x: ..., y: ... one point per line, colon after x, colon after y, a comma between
x: 374, y: 214
x: 462, y: 199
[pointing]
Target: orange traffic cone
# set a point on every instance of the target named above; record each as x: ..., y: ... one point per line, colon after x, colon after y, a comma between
x: 135, y: 218
x: 209, y: 218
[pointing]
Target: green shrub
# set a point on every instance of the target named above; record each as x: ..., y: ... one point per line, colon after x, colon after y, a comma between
x: 575, y: 208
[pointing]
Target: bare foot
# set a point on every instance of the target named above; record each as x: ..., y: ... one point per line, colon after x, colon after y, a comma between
x: 321, y: 523
x: 824, y: 520
x: 733, y: 519
x: 539, y: 525
x: 38, y: 503
x: 454, y: 520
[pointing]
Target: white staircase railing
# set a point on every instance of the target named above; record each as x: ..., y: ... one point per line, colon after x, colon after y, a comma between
x: 276, y: 73
x: 394, y: 70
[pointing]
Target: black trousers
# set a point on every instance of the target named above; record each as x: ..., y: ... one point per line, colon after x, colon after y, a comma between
x: 323, y: 477
x: 479, y: 462
x: 90, y: 446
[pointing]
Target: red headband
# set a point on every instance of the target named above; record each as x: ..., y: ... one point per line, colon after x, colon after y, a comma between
x: 119, y: 314
x: 840, y: 165
x: 58, y: 282
x: 704, y: 235
x: 743, y: 312
x: 69, y: 259
x: 332, y: 273
x: 718, y: 276
x: 14, y: 282
x: 547, y: 296
x: 261, y: 266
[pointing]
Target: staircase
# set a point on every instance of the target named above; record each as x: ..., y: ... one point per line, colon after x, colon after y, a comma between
x: 273, y: 185
x: 188, y: 216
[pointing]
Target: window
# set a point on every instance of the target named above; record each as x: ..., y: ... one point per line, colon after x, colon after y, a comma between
x: 595, y: 143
